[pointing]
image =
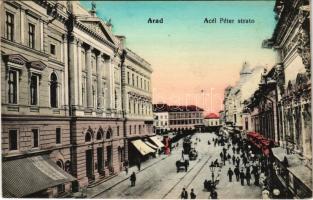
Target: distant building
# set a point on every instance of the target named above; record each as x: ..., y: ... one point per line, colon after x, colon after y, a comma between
x: 177, y: 118
x: 211, y: 120
x: 185, y: 118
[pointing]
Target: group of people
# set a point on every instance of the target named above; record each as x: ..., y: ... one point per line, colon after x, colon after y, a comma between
x: 184, y: 194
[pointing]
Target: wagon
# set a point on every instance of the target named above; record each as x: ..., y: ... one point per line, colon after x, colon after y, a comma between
x: 193, y: 154
x: 182, y: 165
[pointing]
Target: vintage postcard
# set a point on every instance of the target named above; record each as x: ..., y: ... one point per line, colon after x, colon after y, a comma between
x: 156, y: 99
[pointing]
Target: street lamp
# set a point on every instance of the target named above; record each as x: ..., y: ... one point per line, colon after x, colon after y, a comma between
x: 212, y: 168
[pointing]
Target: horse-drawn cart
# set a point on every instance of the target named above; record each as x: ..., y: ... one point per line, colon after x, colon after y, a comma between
x: 182, y: 165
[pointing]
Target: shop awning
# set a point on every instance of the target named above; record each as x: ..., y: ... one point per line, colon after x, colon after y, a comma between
x: 156, y: 141
x: 151, y: 145
x: 142, y: 147
x: 279, y: 153
x: 303, y: 173
x: 22, y: 177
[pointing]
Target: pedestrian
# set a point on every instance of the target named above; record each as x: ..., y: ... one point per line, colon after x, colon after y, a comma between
x: 138, y: 165
x: 184, y: 194
x: 256, y: 178
x: 229, y: 158
x: 238, y: 161
x: 237, y: 172
x: 213, y: 194
x: 230, y: 174
x: 234, y: 159
x: 192, y: 194
x: 126, y: 166
x: 233, y: 149
x: 133, y: 179
x: 242, y: 177
x: 221, y: 155
x: 248, y: 177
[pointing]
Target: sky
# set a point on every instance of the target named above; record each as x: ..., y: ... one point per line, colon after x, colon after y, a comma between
x: 193, y: 62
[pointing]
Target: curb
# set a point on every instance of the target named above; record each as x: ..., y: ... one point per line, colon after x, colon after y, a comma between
x: 94, y: 195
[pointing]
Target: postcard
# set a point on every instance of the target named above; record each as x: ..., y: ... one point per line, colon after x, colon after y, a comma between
x: 156, y: 99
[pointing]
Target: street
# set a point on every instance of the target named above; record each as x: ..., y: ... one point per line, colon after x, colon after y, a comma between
x: 162, y: 181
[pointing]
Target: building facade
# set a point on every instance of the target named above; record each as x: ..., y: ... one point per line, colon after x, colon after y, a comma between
x: 280, y: 109
x: 183, y: 118
x: 66, y: 96
x: 161, y: 118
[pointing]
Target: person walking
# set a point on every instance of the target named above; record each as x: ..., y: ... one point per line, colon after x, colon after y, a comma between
x: 237, y: 172
x: 256, y: 178
x: 133, y: 179
x: 126, y: 166
x: 192, y: 194
x: 229, y: 158
x: 184, y: 194
x: 242, y: 177
x: 248, y: 177
x: 237, y: 161
x: 230, y: 174
x: 234, y: 159
x: 233, y: 149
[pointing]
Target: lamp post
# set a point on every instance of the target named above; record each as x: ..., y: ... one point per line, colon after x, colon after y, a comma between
x: 212, y: 168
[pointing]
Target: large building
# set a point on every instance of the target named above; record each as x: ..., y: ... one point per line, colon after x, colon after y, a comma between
x: 212, y: 121
x: 280, y: 108
x: 73, y: 98
x: 234, y: 96
x: 178, y: 118
x: 161, y: 118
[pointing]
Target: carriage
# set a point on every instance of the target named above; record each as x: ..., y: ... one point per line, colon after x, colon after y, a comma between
x: 182, y: 165
x: 187, y: 145
x: 193, y: 154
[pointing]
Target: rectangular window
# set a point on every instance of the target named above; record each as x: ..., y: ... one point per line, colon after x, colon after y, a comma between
x: 58, y: 135
x: 133, y: 79
x: 130, y: 129
x: 128, y: 78
x: 34, y: 90
x: 35, y: 138
x: 31, y: 35
x: 139, y: 129
x: 52, y: 49
x: 12, y: 87
x: 13, y: 137
x: 118, y: 131
x: 10, y: 26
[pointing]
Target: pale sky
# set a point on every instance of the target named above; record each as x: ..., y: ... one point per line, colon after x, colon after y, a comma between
x: 187, y: 55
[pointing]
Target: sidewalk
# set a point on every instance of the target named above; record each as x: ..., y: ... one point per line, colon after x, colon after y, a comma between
x: 107, y: 185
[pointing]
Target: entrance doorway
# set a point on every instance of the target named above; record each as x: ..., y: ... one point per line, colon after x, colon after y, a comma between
x: 109, y: 158
x: 100, y: 160
x: 89, y: 164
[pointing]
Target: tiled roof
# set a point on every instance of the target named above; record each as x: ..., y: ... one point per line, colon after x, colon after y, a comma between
x: 211, y: 116
x: 175, y: 108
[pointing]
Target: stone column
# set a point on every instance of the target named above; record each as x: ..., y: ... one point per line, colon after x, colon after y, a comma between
x: 99, y: 82
x: 89, y: 78
x: 109, y: 84
x: 22, y: 29
x: 65, y: 103
x: 73, y: 72
x: 79, y: 78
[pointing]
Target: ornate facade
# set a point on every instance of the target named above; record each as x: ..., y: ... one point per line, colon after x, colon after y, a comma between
x: 67, y: 94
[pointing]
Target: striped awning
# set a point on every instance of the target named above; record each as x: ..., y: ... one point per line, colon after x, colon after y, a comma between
x: 25, y: 176
x: 156, y: 141
x: 143, y: 148
x: 151, y: 145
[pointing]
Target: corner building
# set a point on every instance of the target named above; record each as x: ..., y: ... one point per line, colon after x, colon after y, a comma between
x: 64, y: 98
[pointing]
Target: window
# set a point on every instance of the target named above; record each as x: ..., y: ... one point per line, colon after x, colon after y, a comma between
x: 58, y: 135
x: 118, y: 131
x: 145, y: 85
x: 53, y: 91
x: 13, y: 87
x: 13, y: 137
x: 128, y: 78
x: 31, y: 35
x: 139, y: 129
x: 88, y: 137
x: 10, y: 26
x: 52, y: 49
x: 129, y: 107
x: 130, y: 129
x: 137, y: 83
x: 99, y: 135
x: 35, y: 138
x: 140, y: 83
x: 135, y: 129
x: 34, y: 90
x: 133, y: 79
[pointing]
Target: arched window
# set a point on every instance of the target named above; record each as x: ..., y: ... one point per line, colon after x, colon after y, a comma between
x: 60, y: 164
x: 99, y: 135
x: 53, y: 90
x: 109, y: 134
x: 88, y: 137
